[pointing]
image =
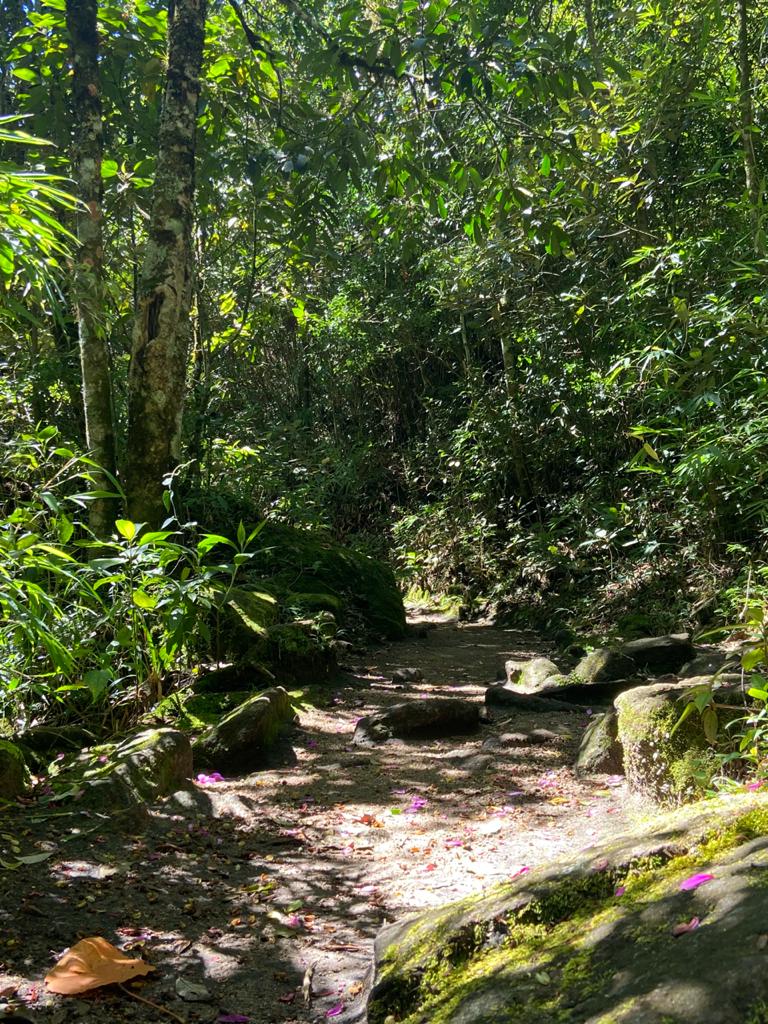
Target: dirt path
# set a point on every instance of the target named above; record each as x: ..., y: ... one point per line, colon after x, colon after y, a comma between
x: 261, y: 881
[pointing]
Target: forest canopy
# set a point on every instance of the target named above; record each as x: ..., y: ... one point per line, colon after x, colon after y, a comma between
x: 476, y: 287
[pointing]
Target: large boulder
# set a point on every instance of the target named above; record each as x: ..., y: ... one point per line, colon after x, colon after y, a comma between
x: 241, y: 741
x: 128, y: 776
x: 665, y: 925
x: 14, y: 776
x: 600, y: 749
x: 659, y: 655
x: 312, y: 570
x: 603, y: 665
x: 708, y: 662
x: 531, y: 676
x: 437, y: 717
x: 293, y: 652
x: 665, y: 762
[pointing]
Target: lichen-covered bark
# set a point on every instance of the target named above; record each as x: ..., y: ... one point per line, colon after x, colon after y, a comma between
x: 748, y: 128
x: 162, y: 331
x: 87, y: 142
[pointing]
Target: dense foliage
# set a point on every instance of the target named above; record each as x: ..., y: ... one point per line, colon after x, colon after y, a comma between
x: 481, y: 285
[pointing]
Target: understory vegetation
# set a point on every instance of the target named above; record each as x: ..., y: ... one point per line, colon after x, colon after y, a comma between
x: 478, y: 290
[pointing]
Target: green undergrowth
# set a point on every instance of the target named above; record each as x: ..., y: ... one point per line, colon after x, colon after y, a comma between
x: 194, y: 711
x: 537, y: 959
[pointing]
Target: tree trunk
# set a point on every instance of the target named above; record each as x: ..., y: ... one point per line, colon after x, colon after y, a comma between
x: 89, y: 275
x: 751, y: 175
x: 162, y: 333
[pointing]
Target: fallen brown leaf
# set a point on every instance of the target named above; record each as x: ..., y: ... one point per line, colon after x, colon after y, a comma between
x: 91, y: 963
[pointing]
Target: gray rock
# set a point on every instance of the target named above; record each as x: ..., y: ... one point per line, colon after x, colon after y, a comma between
x: 407, y: 675
x: 530, y: 676
x: 478, y: 762
x: 557, y: 944
x: 708, y: 663
x: 240, y: 742
x: 659, y: 654
x: 603, y: 665
x: 14, y: 776
x: 442, y: 716
x: 501, y: 695
x: 127, y: 777
x: 661, y: 765
x: 600, y: 750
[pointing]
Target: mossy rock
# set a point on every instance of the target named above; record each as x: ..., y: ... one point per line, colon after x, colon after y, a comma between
x: 293, y: 652
x: 589, y: 939
x: 603, y: 665
x: 306, y: 564
x: 531, y: 676
x: 242, y: 616
x: 600, y: 749
x: 123, y: 778
x: 243, y: 739
x: 195, y: 711
x: 663, y: 757
x: 240, y: 678
x: 14, y: 775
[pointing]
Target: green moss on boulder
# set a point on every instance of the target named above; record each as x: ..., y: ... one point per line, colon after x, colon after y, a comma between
x: 241, y: 741
x: 590, y: 940
x: 305, y: 565
x: 14, y: 775
x: 662, y: 761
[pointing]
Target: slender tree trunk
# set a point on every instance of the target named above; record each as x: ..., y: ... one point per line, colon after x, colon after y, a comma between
x: 161, y: 334
x: 751, y: 174
x: 89, y: 273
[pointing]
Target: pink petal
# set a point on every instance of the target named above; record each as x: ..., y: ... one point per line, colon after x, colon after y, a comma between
x: 215, y: 777
x: 520, y: 871
x: 684, y: 928
x: 756, y: 785
x: 621, y: 890
x: 202, y: 780
x: 695, y: 881
x: 335, y: 1010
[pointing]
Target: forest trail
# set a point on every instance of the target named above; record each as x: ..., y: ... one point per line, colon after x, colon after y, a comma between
x: 265, y: 878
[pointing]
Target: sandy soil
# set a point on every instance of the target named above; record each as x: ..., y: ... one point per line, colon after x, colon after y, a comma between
x: 270, y: 888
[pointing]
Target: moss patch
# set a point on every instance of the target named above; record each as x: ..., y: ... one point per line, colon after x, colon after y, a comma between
x: 549, y: 952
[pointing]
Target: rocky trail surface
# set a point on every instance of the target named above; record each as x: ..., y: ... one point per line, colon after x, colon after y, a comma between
x: 268, y: 890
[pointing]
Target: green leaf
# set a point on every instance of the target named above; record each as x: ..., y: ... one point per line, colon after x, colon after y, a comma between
x: 752, y: 658
x: 126, y: 528
x: 710, y: 723
x: 144, y: 600
x: 25, y: 74
x: 97, y: 680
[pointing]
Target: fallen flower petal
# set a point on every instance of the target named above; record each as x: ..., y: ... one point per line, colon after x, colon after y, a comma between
x: 756, y: 785
x: 520, y: 871
x: 685, y: 927
x: 695, y: 881
x: 233, y: 1018
x: 620, y: 891
x: 335, y: 1010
